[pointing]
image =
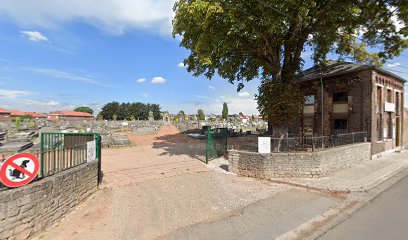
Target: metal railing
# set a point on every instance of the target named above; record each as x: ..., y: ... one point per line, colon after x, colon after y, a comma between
x: 60, y: 151
x: 301, y: 144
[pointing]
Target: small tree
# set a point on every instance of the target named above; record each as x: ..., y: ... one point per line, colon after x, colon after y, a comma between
x: 224, y: 111
x: 17, y: 122
x: 114, y: 117
x: 31, y: 123
x: 99, y: 117
x: 84, y: 109
x: 200, y: 115
x: 132, y: 118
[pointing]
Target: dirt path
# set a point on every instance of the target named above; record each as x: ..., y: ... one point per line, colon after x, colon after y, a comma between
x: 165, y: 154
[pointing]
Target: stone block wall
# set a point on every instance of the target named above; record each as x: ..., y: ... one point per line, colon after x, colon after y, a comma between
x: 302, y: 164
x: 27, y: 210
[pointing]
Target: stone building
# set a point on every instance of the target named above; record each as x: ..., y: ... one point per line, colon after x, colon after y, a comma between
x: 356, y: 98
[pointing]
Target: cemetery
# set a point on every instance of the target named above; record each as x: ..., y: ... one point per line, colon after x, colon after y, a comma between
x: 25, y: 136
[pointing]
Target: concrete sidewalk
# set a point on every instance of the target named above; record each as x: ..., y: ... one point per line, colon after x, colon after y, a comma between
x: 363, y: 177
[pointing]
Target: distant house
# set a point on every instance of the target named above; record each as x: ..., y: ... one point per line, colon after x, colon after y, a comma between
x: 4, y: 114
x: 36, y: 115
x: 16, y: 113
x: 66, y: 115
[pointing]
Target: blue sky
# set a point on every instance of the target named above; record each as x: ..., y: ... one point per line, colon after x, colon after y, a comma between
x: 71, y: 53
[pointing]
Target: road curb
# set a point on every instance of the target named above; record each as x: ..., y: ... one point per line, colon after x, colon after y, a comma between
x: 359, y: 189
x: 320, y: 224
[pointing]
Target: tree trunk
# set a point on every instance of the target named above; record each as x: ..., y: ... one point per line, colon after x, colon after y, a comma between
x: 280, y: 132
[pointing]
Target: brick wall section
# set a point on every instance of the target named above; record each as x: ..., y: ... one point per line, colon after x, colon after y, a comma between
x: 28, y: 210
x: 307, y: 164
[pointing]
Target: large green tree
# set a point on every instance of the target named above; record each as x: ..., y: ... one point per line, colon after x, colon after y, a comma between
x: 224, y: 111
x: 129, y: 111
x: 84, y: 109
x: 242, y: 40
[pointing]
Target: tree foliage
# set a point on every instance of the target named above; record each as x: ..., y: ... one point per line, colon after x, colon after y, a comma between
x: 200, y: 115
x: 84, y: 109
x: 129, y: 111
x: 224, y: 111
x: 243, y: 40
x: 287, y: 105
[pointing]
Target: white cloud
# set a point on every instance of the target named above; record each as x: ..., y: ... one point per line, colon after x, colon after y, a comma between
x: 158, y: 80
x: 146, y: 95
x: 211, y: 87
x: 36, y: 104
x: 12, y: 94
x: 67, y: 76
x: 141, y: 80
x: 243, y: 94
x: 181, y: 65
x: 391, y: 65
x: 111, y: 16
x: 35, y: 36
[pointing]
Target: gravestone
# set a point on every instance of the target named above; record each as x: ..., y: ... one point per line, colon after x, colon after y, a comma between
x: 151, y: 118
x: 166, y: 118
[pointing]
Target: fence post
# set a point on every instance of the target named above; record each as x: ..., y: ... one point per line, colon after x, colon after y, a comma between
x: 99, y: 154
x: 313, y: 144
x: 42, y: 153
x: 353, y: 137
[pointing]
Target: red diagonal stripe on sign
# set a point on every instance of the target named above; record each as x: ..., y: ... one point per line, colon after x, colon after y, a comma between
x: 23, y: 170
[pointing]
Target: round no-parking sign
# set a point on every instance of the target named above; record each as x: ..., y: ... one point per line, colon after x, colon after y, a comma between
x: 19, y: 170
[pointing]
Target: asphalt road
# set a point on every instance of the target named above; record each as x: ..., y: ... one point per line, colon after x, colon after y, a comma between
x: 386, y: 217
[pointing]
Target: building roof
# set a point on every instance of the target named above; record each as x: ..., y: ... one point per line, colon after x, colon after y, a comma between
x: 16, y: 113
x: 2, y: 110
x: 335, y: 68
x: 71, y: 114
x: 36, y: 114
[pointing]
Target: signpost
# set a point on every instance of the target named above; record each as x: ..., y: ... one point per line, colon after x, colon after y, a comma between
x: 264, y: 145
x: 19, y: 170
x: 91, y: 151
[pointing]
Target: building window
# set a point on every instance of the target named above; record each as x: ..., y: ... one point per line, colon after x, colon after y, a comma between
x: 340, y: 97
x: 379, y: 99
x: 389, y: 95
x: 389, y: 126
x: 310, y: 100
x: 397, y: 103
x: 340, y: 126
x: 380, y: 133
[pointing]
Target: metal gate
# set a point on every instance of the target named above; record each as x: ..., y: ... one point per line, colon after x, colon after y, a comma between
x: 217, y: 143
x: 62, y: 151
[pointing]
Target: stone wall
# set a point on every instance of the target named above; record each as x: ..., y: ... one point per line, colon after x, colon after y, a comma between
x: 302, y: 164
x: 27, y: 210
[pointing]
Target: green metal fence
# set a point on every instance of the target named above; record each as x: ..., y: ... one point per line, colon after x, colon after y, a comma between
x: 217, y: 143
x: 62, y: 151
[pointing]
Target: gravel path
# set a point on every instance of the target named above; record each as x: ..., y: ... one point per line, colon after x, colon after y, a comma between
x: 155, y: 208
